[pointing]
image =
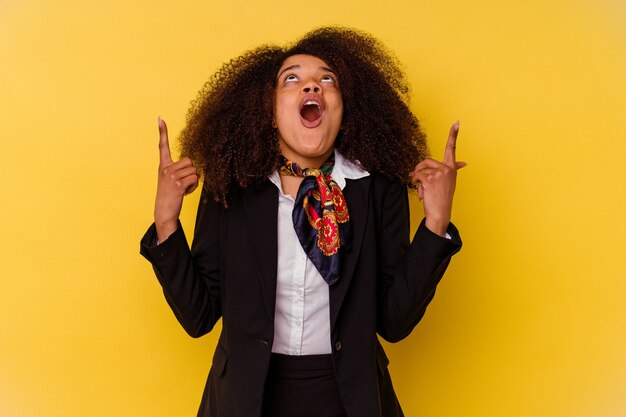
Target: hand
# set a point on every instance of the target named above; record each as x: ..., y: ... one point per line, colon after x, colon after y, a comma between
x: 436, y: 182
x: 175, y: 180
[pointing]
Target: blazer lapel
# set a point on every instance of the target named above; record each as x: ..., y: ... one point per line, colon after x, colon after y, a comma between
x: 356, y: 193
x: 261, y: 211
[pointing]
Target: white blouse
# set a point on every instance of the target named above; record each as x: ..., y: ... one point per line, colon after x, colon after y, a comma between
x: 302, y: 315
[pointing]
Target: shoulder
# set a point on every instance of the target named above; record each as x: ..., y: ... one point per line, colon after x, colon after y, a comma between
x: 385, y: 187
x: 380, y: 193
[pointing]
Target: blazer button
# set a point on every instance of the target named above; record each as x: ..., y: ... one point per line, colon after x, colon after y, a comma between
x: 338, y: 345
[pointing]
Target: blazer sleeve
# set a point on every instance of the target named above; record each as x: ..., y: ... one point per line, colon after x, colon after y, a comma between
x: 190, y: 277
x: 409, y: 273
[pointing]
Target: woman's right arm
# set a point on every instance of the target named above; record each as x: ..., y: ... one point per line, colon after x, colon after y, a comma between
x: 190, y: 278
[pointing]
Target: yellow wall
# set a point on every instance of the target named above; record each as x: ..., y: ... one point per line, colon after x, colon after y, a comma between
x: 530, y: 319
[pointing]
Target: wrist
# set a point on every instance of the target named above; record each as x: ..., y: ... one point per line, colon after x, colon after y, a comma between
x: 165, y: 229
x: 437, y: 226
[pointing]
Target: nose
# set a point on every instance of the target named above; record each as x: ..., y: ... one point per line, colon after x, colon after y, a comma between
x: 311, y: 87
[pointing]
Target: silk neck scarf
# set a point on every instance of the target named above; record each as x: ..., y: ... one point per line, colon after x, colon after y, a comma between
x: 320, y: 217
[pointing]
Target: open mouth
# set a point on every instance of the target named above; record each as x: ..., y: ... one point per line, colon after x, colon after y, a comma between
x: 311, y: 113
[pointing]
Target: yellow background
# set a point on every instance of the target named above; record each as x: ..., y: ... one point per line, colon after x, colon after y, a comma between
x: 530, y: 319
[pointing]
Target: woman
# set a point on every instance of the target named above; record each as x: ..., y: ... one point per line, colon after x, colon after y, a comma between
x: 301, y: 242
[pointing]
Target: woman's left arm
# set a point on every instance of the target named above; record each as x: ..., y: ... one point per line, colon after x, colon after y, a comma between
x: 409, y: 276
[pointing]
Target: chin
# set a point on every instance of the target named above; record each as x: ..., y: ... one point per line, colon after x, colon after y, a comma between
x: 316, y: 150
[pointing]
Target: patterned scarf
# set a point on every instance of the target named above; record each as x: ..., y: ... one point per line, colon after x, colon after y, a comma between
x: 320, y: 217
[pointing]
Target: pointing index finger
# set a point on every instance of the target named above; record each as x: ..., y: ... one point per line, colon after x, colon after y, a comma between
x: 165, y: 157
x: 449, y: 157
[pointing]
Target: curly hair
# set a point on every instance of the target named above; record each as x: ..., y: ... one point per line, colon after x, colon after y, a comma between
x: 230, y: 134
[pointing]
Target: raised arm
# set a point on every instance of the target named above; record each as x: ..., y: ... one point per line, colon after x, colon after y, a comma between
x: 190, y: 278
x: 410, y: 273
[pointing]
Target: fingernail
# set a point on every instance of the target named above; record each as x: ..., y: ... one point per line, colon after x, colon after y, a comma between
x: 456, y: 124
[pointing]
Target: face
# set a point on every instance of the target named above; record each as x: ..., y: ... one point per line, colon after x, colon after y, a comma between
x: 308, y: 110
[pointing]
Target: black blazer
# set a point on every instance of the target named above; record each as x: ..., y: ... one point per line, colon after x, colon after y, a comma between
x: 230, y: 272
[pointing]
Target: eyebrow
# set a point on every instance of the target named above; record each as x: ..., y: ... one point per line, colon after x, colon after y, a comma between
x: 291, y: 67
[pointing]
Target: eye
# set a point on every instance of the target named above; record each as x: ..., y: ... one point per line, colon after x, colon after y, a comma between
x: 291, y: 78
x: 327, y: 79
